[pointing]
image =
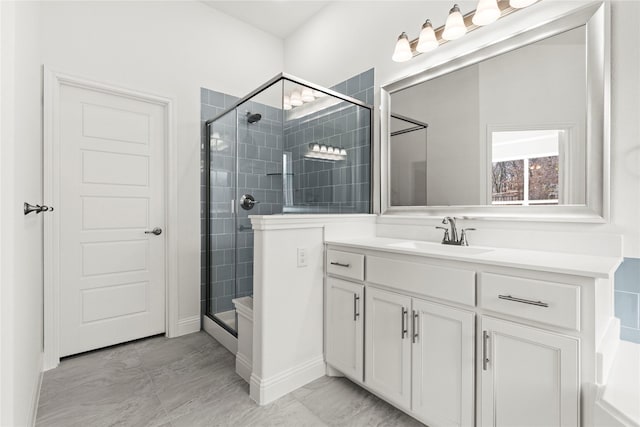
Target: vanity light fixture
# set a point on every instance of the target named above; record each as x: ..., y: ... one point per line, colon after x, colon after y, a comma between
x: 326, y: 152
x: 402, y: 51
x: 299, y: 96
x: 286, y: 103
x: 307, y: 95
x: 427, y: 41
x: 454, y: 28
x: 296, y: 98
x: 486, y: 12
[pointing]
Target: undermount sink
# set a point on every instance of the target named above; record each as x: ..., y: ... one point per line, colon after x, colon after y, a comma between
x: 439, y: 248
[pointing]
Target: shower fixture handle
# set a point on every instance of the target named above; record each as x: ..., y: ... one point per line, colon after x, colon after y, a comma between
x: 157, y: 231
x: 248, y: 202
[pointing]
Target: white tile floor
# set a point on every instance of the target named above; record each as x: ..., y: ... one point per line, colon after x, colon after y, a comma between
x: 191, y: 381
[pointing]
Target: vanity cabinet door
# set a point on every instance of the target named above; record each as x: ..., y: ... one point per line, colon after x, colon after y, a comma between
x: 388, y: 346
x: 529, y: 376
x: 345, y: 339
x: 443, y: 364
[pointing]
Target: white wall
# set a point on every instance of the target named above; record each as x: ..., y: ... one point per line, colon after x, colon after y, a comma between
x: 348, y: 37
x: 408, y: 169
x: 288, y: 307
x: 21, y: 236
x: 451, y: 106
x: 166, y: 48
x: 169, y: 49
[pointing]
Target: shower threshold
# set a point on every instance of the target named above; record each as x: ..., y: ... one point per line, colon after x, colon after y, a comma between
x: 228, y: 318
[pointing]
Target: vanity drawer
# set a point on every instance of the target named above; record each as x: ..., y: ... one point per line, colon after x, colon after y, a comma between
x: 553, y: 303
x: 452, y: 284
x: 345, y: 264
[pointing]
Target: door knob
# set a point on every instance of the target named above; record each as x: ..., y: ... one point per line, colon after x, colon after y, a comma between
x: 157, y: 231
x: 37, y: 208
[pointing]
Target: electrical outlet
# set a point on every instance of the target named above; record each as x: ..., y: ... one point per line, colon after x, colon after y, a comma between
x: 302, y: 257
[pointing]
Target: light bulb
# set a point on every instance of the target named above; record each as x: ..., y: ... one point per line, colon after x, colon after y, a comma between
x: 343, y: 152
x: 454, y: 28
x: 296, y: 98
x: 427, y: 41
x: 307, y: 95
x: 286, y: 102
x: 486, y: 12
x: 519, y: 4
x: 330, y: 150
x: 316, y: 148
x: 402, y: 51
x: 323, y: 148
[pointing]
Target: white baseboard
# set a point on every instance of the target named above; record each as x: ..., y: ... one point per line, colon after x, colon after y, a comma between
x: 35, y: 399
x: 265, y: 390
x: 188, y: 325
x: 244, y: 367
x: 606, y: 351
x: 333, y: 372
x: 220, y: 334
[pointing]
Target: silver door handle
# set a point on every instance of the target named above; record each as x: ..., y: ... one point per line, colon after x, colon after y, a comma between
x: 523, y: 301
x: 356, y: 312
x: 405, y: 329
x: 415, y: 326
x: 37, y: 208
x: 485, y: 350
x: 157, y: 231
x: 339, y: 264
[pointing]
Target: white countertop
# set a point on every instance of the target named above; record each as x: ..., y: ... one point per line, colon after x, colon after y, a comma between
x: 554, y: 262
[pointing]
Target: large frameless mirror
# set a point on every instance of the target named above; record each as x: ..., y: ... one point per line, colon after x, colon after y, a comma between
x: 517, y: 129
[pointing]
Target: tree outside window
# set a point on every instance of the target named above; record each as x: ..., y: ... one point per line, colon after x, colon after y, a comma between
x: 525, y: 168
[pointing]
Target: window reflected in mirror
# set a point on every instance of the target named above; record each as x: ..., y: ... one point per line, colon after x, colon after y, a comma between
x: 525, y: 167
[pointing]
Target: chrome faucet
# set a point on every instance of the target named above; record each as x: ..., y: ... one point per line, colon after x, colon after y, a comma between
x: 452, y: 238
x: 454, y: 231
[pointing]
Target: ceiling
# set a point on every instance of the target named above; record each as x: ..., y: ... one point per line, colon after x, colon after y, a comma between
x: 278, y: 17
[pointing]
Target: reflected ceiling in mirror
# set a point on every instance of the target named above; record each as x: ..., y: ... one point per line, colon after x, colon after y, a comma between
x: 509, y: 130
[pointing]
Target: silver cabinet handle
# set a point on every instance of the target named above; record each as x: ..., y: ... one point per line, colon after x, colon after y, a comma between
x: 339, y: 264
x: 356, y: 312
x: 415, y: 326
x: 405, y: 330
x: 485, y: 351
x: 523, y: 301
x: 157, y: 231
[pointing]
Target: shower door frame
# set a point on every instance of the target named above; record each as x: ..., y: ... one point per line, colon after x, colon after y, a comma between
x: 207, y: 169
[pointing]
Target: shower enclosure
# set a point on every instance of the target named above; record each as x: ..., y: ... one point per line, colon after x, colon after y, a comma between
x: 288, y: 147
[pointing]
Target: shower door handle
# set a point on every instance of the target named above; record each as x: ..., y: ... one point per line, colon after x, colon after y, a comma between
x: 157, y: 231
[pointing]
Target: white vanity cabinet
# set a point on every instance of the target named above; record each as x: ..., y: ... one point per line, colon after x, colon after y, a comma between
x: 420, y: 356
x: 530, y: 377
x: 486, y: 341
x: 344, y: 331
x: 388, y: 346
x: 442, y: 364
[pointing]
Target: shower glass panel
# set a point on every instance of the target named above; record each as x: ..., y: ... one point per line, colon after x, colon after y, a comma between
x: 288, y: 147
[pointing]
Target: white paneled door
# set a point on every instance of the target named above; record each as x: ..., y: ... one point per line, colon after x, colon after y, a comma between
x: 112, y: 269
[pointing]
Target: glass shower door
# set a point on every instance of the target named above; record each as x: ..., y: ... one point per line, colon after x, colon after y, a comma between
x: 221, y: 237
x: 259, y: 174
